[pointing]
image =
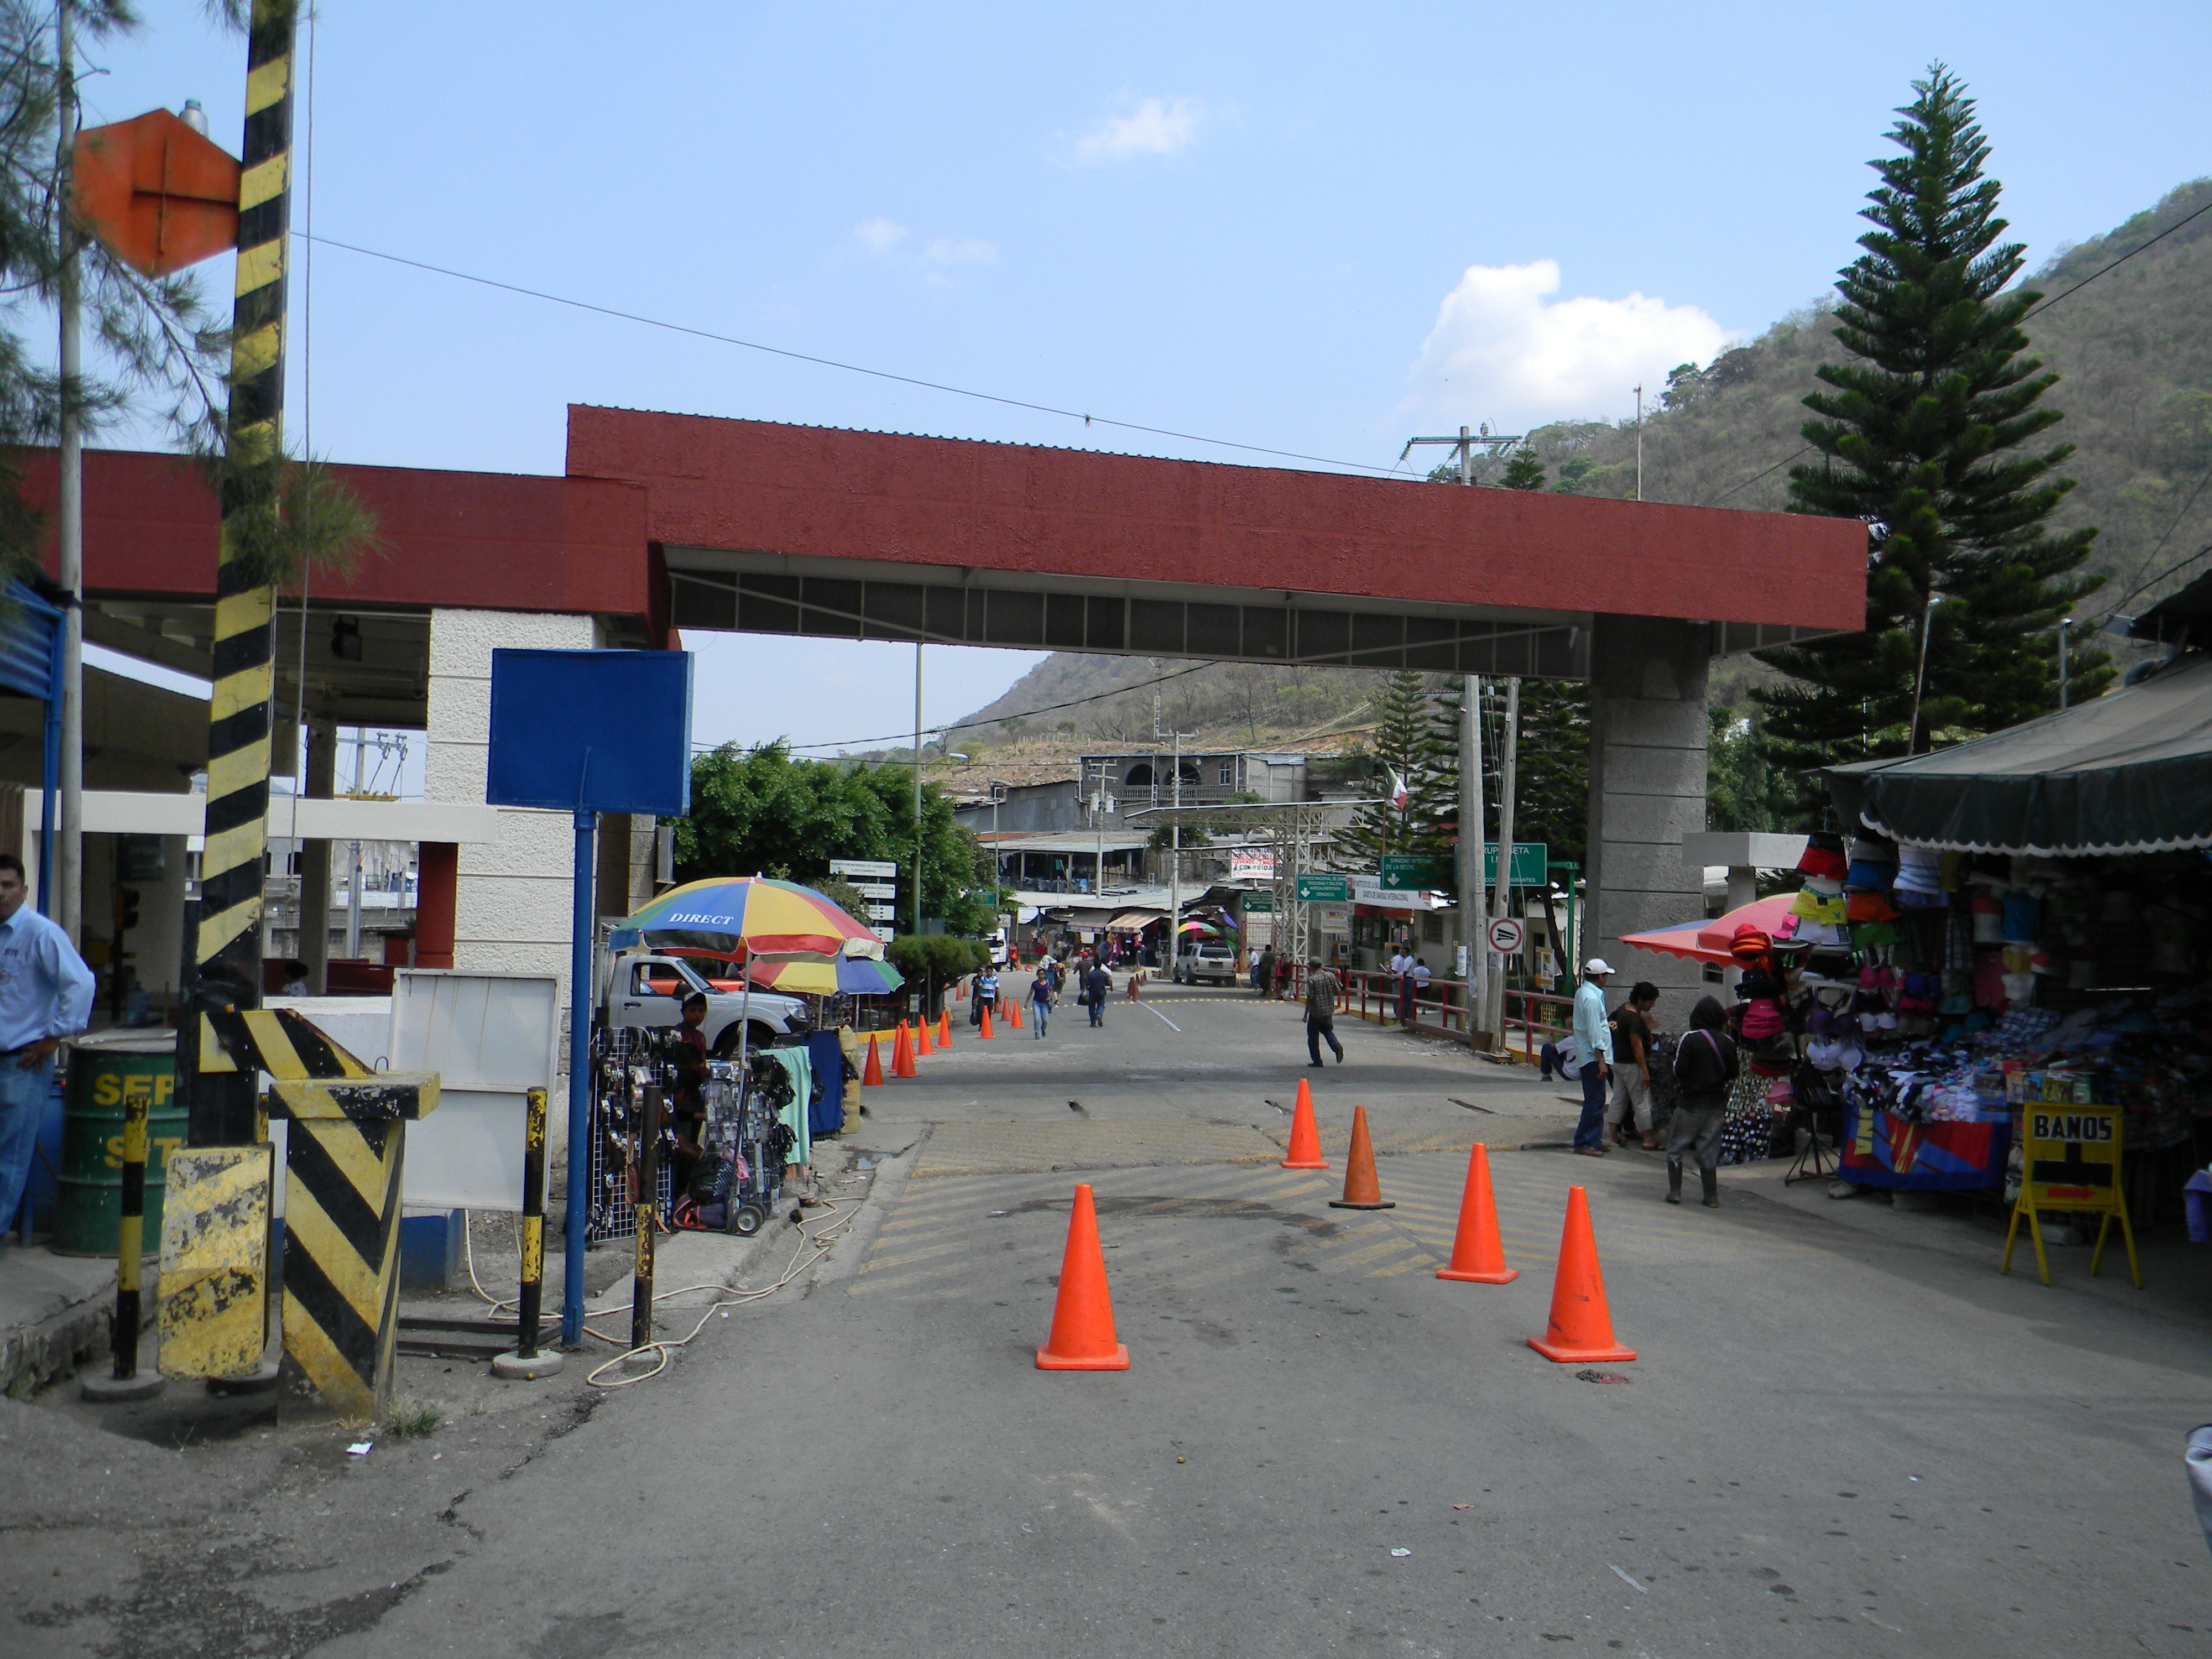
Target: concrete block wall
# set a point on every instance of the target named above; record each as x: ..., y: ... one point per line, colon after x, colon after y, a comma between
x: 512, y: 909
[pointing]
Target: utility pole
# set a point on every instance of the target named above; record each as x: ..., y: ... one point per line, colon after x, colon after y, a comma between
x: 69, y: 846
x: 223, y: 952
x: 1639, y: 443
x: 353, y: 874
x: 1920, y: 674
x: 1175, y: 855
x: 1508, y: 748
x: 1498, y: 443
x: 917, y: 789
x: 1471, y: 815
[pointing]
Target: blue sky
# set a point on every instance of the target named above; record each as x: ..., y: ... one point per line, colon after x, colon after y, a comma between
x: 1316, y: 229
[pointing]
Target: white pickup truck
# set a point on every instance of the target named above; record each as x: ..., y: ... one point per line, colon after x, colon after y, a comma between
x: 648, y: 990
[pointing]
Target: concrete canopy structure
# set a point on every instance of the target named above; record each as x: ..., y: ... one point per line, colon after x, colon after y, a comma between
x: 667, y: 521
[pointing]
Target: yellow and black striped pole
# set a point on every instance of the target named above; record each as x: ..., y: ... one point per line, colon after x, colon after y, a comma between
x: 526, y: 1362
x: 124, y: 1383
x: 224, y: 949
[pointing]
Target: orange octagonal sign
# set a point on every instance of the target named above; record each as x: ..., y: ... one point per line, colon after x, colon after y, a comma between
x: 160, y: 196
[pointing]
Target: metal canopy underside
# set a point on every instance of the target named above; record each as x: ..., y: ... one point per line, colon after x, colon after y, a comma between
x: 857, y: 600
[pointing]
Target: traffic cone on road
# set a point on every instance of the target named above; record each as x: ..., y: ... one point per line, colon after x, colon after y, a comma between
x: 871, y: 1075
x: 1477, y: 1255
x: 945, y: 1028
x: 1580, y: 1329
x: 960, y: 990
x: 986, y: 1033
x: 1361, y: 1190
x: 921, y: 1042
x: 902, y: 1053
x: 1305, y: 1136
x: 1082, y: 1337
x: 1014, y: 1013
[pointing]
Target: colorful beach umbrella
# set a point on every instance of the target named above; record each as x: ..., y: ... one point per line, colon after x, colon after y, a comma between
x: 746, y: 916
x: 856, y: 976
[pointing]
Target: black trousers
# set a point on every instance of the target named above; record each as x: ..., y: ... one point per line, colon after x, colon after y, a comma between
x: 1318, y: 1028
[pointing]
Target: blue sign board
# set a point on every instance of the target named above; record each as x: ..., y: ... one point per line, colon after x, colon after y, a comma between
x: 590, y: 731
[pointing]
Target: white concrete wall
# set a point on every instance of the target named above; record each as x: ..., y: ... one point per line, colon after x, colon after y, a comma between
x: 511, y: 916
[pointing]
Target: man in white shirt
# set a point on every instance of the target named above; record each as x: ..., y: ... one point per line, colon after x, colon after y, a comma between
x: 1593, y: 1043
x: 46, y: 994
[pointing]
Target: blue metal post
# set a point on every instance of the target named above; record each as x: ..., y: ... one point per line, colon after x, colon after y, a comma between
x: 580, y: 1084
x: 50, y: 777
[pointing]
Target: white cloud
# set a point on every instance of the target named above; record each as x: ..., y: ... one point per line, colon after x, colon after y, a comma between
x: 1158, y: 126
x: 1500, y: 352
x: 959, y: 251
x: 879, y: 236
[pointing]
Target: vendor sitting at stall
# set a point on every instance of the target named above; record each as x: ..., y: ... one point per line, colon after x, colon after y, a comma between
x: 687, y: 1105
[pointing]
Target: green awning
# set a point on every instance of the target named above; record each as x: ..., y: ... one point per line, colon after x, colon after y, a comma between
x: 2130, y: 772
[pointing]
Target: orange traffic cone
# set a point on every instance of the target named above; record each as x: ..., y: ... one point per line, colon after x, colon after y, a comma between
x: 1014, y: 1013
x: 1582, y: 1325
x: 922, y: 1044
x: 986, y: 1033
x: 1305, y: 1136
x: 1478, y: 1256
x: 1082, y: 1337
x: 871, y: 1075
x: 960, y: 990
x: 945, y: 1028
x: 1361, y: 1190
x: 902, y: 1053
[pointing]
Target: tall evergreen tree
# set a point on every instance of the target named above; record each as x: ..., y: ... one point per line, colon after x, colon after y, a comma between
x: 1524, y: 470
x: 1922, y: 434
x: 1406, y: 762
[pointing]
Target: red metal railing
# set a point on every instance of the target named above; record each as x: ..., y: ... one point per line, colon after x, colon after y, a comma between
x: 1442, y: 1006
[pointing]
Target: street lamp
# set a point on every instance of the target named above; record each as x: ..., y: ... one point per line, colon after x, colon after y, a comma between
x: 1920, y: 679
x: 2064, y: 623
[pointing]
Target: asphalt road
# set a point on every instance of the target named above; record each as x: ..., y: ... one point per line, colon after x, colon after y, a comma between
x: 1844, y: 1434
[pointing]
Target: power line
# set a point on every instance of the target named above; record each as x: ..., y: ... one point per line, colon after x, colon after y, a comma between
x: 977, y: 725
x: 1087, y: 418
x: 2175, y: 524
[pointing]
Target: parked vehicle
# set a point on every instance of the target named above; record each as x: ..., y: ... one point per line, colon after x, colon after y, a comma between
x: 648, y: 990
x: 1209, y: 961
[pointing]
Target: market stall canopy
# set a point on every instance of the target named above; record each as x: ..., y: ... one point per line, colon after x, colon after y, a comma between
x: 1708, y: 941
x: 1133, y: 921
x: 2130, y: 772
x: 728, y: 916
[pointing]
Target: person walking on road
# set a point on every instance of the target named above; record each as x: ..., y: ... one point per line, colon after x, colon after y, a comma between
x: 1632, y: 1075
x: 1263, y: 973
x: 46, y: 994
x: 1097, y: 986
x: 1041, y: 999
x: 1320, y: 1010
x: 1705, y: 1063
x: 1594, y: 1041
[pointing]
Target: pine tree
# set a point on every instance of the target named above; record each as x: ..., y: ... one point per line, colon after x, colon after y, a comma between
x: 1922, y: 435
x: 1552, y: 791
x: 1404, y: 745
x: 1524, y: 470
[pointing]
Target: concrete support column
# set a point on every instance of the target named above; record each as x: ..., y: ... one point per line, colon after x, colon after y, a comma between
x: 315, y: 860
x: 1647, y: 792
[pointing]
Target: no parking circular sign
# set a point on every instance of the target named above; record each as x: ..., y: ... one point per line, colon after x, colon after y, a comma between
x: 1507, y: 936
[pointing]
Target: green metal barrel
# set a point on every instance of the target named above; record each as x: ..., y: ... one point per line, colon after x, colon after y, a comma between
x: 105, y: 1070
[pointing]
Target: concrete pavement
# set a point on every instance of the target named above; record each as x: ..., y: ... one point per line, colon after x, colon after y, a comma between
x: 1841, y: 1436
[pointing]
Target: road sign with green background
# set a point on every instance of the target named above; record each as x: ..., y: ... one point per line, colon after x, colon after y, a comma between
x: 1323, y: 889
x: 1407, y: 872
